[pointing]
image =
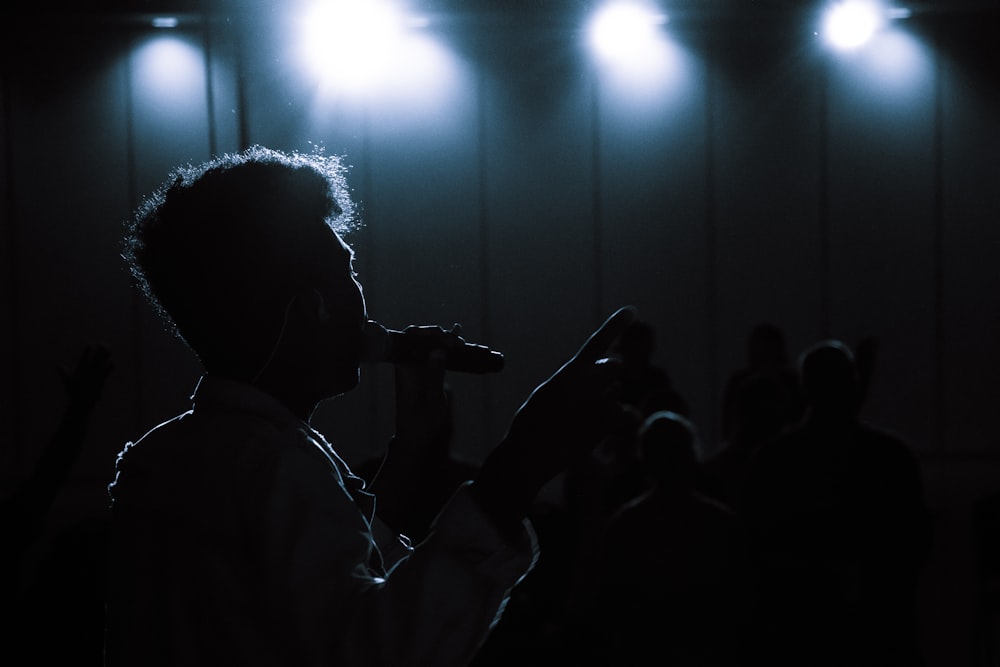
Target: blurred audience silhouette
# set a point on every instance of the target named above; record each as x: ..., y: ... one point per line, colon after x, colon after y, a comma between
x: 53, y: 575
x: 839, y: 529
x: 766, y: 354
x: 646, y: 386
x: 670, y: 581
x: 759, y: 401
x: 985, y: 515
x: 614, y: 473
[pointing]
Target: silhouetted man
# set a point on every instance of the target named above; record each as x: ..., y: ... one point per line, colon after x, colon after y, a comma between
x: 240, y: 537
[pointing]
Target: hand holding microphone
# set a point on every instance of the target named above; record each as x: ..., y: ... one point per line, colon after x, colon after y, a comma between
x: 400, y: 347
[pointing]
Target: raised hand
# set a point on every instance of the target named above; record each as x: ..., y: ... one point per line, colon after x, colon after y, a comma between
x: 565, y: 416
x: 579, y: 401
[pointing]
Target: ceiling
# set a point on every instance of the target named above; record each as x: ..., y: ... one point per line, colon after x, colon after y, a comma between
x: 715, y: 8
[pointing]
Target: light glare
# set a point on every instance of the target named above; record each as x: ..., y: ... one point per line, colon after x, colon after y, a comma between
x: 372, y: 50
x: 624, y: 31
x: 352, y: 41
x: 169, y: 70
x: 852, y: 23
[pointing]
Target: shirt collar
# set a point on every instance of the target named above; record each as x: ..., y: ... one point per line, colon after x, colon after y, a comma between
x: 215, y: 393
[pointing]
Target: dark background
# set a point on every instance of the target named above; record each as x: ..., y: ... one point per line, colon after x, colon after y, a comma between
x: 770, y: 180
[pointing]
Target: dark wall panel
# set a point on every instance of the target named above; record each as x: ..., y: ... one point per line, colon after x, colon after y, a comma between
x: 425, y: 228
x: 766, y: 196
x: 68, y: 195
x: 882, y: 228
x: 653, y: 180
x: 970, y: 239
x: 540, y: 225
x: 9, y: 338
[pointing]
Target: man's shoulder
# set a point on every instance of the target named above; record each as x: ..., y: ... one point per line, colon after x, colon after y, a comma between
x: 209, y: 440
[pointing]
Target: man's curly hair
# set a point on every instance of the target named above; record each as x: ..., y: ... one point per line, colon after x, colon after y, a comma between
x: 219, y: 246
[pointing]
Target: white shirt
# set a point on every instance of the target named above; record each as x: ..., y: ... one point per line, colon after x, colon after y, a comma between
x: 240, y: 537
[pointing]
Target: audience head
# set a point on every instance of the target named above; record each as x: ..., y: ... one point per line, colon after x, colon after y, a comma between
x: 766, y: 347
x: 668, y: 444
x: 830, y: 381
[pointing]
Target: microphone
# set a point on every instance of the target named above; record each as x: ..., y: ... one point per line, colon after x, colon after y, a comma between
x: 398, y: 347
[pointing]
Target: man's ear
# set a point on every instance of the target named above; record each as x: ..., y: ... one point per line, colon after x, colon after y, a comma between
x: 310, y: 303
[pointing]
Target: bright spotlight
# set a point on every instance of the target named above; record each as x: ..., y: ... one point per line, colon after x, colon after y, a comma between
x: 352, y: 41
x: 851, y: 23
x: 623, y: 31
x: 165, y: 22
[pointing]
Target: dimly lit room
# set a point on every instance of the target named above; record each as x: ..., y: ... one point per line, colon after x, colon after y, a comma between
x: 524, y: 169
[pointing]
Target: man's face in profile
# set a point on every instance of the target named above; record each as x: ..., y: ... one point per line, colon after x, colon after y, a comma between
x: 341, y: 317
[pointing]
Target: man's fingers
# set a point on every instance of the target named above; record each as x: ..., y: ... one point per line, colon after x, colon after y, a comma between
x: 437, y: 336
x: 600, y: 341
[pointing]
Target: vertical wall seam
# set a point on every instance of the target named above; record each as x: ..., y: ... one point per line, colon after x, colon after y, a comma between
x: 138, y: 361
x: 482, y: 161
x: 711, y: 252
x: 364, y: 213
x: 824, y: 201
x: 17, y: 421
x: 213, y: 142
x: 939, y: 380
x: 241, y: 86
x: 598, y: 198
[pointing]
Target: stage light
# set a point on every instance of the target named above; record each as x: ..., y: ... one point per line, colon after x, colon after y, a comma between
x: 623, y: 31
x: 850, y: 24
x: 165, y: 22
x: 352, y: 42
x: 169, y: 73
x: 376, y: 53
